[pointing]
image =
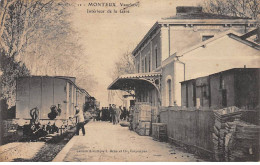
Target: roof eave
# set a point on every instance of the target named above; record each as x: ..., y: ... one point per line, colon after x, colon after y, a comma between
x: 145, y: 37
x: 244, y: 41
x: 133, y: 76
x: 207, y: 21
x: 108, y: 88
x: 193, y: 21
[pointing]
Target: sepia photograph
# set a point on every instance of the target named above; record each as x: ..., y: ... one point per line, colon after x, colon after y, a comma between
x: 129, y: 81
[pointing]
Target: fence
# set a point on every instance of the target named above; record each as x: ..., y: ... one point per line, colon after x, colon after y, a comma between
x: 191, y: 128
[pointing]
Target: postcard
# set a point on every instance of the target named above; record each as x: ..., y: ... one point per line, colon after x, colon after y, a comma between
x: 129, y: 80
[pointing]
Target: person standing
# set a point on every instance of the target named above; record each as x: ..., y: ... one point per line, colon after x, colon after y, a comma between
x: 117, y: 113
x: 79, y: 120
x: 124, y: 113
x: 113, y: 114
x: 98, y: 114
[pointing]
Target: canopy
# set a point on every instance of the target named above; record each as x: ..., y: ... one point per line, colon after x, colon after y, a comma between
x: 131, y: 81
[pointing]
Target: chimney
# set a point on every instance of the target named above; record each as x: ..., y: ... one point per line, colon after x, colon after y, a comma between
x: 183, y: 10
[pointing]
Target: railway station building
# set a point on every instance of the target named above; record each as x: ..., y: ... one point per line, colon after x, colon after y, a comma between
x: 188, y: 45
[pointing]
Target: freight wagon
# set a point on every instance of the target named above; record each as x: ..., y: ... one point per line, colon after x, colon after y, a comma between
x: 45, y: 104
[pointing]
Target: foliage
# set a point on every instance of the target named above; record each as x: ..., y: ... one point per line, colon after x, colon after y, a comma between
x: 37, y: 36
x: 125, y: 65
x: 239, y: 8
x: 10, y: 71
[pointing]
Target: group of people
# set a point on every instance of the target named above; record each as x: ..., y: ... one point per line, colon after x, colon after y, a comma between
x: 112, y: 114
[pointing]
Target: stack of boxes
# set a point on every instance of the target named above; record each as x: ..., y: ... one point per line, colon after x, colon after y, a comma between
x: 142, y: 119
x: 159, y: 131
x: 143, y: 128
x: 135, y: 118
x: 234, y: 140
x: 221, y: 117
x: 242, y: 141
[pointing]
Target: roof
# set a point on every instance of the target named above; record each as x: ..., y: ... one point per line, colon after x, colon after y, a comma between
x: 245, y: 41
x: 194, y: 15
x: 130, y: 80
x: 248, y: 36
x: 225, y: 71
x: 230, y: 33
x: 203, y: 15
x: 84, y: 91
x: 196, y: 12
x: 66, y: 78
x: 140, y: 75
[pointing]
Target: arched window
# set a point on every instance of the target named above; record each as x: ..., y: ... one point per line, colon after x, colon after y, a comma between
x: 156, y: 57
x: 168, y: 84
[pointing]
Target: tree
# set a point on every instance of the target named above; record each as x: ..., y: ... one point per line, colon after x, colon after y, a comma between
x: 38, y: 36
x: 10, y: 70
x: 4, y: 5
x: 125, y: 65
x: 20, y: 20
x: 239, y: 8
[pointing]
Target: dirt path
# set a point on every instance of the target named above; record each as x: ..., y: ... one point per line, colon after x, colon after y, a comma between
x: 107, y: 142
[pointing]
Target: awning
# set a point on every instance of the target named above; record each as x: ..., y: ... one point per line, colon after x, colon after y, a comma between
x: 131, y: 81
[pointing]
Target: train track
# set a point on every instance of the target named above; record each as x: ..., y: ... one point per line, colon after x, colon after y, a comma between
x: 38, y: 151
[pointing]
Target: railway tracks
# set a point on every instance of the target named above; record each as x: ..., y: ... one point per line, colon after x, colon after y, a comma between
x: 42, y: 150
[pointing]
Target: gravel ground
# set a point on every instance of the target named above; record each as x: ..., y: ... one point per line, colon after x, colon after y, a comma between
x: 19, y: 151
x: 32, y: 151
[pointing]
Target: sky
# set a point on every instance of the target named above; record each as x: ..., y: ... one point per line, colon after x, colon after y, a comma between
x: 107, y: 36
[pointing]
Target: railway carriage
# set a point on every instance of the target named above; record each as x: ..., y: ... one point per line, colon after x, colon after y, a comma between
x: 47, y: 103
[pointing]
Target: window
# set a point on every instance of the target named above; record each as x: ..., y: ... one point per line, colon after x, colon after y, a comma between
x: 194, y: 93
x: 156, y: 57
x: 169, y: 92
x: 204, y: 91
x: 206, y: 37
x: 138, y: 67
x: 224, y: 97
x: 145, y: 63
x: 149, y: 64
x: 221, y: 82
x: 142, y: 65
x: 187, y: 95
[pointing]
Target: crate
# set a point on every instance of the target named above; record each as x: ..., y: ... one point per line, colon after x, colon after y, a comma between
x: 159, y: 131
x: 143, y: 128
x: 142, y: 113
x: 146, y: 119
x: 145, y: 115
x: 144, y: 124
x: 143, y: 131
x: 154, y: 114
x: 142, y: 106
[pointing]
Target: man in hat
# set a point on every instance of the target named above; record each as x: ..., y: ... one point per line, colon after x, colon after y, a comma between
x: 80, y: 120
